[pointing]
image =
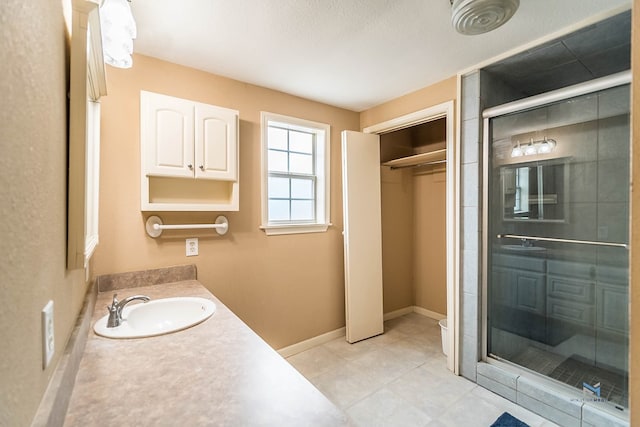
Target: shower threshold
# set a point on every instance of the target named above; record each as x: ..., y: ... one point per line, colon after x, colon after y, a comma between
x: 548, y: 397
x: 575, y: 372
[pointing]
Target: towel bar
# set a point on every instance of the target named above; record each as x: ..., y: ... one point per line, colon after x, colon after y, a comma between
x: 154, y: 226
x: 551, y: 239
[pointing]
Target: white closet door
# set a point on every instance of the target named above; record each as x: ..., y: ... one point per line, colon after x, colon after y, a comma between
x: 362, y: 235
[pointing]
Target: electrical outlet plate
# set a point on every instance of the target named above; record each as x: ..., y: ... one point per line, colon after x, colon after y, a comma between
x: 192, y: 247
x: 48, y: 342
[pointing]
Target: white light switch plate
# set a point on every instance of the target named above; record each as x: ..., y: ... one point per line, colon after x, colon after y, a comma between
x: 192, y: 247
x: 48, y: 343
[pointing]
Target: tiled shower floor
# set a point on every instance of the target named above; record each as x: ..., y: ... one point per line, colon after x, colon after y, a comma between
x: 400, y: 378
x: 573, y: 372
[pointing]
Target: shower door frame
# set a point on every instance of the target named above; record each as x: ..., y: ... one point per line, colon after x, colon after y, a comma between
x: 591, y: 86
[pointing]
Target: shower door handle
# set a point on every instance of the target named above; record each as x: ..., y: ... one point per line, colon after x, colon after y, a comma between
x: 553, y: 239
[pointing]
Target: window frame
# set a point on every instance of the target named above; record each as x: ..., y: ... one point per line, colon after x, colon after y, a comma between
x: 320, y: 177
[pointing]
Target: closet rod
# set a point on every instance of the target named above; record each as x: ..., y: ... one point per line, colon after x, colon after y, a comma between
x: 435, y: 162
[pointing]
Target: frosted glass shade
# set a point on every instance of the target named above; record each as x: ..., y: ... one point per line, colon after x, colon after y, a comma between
x: 118, y: 31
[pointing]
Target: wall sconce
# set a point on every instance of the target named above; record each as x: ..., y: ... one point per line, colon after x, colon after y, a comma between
x: 118, y: 31
x: 543, y: 146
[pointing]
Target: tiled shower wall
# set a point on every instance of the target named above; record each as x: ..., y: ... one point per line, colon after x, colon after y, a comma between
x: 479, y: 91
x: 471, y: 187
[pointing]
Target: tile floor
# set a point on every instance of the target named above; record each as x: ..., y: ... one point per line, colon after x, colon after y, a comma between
x: 400, y: 379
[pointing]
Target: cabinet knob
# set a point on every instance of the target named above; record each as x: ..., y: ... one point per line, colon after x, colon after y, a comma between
x: 190, y: 167
x: 202, y: 168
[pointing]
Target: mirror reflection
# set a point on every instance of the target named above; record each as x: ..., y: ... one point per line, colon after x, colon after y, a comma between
x: 534, y: 192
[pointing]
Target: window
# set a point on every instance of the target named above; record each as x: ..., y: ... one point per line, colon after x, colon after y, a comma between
x: 295, y: 175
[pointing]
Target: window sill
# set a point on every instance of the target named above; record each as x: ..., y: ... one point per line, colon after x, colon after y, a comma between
x: 274, y: 230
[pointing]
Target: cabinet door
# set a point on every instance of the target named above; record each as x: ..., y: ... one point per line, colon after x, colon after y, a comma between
x: 529, y: 291
x: 216, y: 143
x: 612, y: 308
x: 571, y: 298
x: 502, y: 292
x: 166, y: 135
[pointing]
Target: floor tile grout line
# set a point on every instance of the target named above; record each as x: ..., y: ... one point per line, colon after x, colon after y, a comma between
x: 425, y: 339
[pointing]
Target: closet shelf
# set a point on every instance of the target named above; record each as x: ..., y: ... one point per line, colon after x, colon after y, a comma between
x: 432, y: 157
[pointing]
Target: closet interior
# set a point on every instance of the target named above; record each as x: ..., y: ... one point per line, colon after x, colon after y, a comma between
x: 413, y: 198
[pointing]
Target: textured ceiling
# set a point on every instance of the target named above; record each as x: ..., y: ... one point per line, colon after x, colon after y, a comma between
x: 350, y: 53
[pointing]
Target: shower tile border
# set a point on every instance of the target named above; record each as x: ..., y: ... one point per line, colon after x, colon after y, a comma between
x: 547, y: 393
x: 497, y: 387
x: 594, y: 416
x: 550, y: 412
x: 502, y: 376
x: 547, y: 398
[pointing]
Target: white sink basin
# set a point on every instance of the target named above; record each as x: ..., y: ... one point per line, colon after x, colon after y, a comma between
x: 157, y: 317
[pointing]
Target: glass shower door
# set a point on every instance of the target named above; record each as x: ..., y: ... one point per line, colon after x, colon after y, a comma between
x: 557, y: 255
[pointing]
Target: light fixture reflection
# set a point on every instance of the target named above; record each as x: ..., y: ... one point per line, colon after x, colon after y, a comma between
x: 544, y: 146
x: 118, y: 31
x: 517, y: 151
x: 530, y: 149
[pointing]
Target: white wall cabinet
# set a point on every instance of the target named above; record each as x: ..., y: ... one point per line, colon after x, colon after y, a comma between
x: 189, y: 155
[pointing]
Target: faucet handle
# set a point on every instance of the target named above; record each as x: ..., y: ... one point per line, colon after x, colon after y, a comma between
x: 114, y: 303
x: 115, y: 309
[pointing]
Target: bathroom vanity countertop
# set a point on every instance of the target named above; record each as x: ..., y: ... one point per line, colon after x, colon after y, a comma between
x: 216, y: 373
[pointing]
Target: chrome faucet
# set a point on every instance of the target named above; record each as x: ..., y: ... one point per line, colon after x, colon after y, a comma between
x: 115, y: 309
x: 526, y: 243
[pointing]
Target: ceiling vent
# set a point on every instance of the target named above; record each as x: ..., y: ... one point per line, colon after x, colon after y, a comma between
x: 471, y: 17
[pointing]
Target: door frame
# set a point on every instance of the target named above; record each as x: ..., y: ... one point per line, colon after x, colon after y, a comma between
x: 443, y: 110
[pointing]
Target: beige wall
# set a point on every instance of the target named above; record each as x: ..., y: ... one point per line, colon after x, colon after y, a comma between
x: 430, y: 243
x: 437, y: 93
x: 287, y: 288
x: 33, y: 199
x: 396, y: 199
x: 634, y: 357
x: 414, y: 239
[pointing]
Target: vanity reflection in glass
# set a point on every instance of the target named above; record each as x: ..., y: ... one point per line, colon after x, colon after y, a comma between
x: 534, y: 191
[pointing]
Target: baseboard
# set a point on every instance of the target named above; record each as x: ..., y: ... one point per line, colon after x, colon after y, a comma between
x: 311, y: 342
x: 338, y: 333
x: 428, y: 313
x: 53, y: 406
x: 414, y: 309
x: 397, y: 313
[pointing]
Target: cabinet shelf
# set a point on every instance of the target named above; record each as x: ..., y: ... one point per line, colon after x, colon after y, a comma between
x: 431, y: 157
